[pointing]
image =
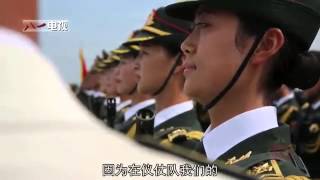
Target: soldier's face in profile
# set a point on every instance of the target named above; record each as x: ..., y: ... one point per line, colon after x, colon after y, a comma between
x: 211, y: 54
x: 155, y: 64
x: 127, y: 77
x: 92, y: 81
x: 108, y: 82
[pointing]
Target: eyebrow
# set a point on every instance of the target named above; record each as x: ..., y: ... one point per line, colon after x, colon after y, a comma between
x: 145, y: 45
x: 204, y: 10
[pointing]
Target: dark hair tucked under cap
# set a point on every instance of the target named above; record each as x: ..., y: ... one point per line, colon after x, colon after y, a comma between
x: 300, y: 18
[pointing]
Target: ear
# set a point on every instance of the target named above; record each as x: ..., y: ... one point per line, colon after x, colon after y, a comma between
x: 271, y: 43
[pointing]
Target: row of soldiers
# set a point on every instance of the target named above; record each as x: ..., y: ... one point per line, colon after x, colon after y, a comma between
x: 301, y: 111
x: 144, y: 93
x: 137, y: 89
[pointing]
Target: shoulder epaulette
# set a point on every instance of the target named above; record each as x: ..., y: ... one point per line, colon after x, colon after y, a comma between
x: 270, y: 170
x: 176, y: 135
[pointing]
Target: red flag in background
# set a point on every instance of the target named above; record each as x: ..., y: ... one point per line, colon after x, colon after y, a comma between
x: 83, y: 65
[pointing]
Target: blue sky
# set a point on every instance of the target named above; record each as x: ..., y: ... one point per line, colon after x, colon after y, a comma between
x: 94, y: 25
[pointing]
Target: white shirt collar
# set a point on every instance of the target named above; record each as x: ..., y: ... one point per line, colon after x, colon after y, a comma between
x: 89, y: 92
x: 172, y: 111
x: 135, y: 108
x: 118, y: 100
x: 123, y: 104
x: 284, y: 99
x: 222, y: 138
x: 95, y: 93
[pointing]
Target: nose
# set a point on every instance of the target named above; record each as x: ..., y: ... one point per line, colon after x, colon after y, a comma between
x: 136, y: 65
x: 115, y: 76
x: 188, y: 46
x: 117, y: 71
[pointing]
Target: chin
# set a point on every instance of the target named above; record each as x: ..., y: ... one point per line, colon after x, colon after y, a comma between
x: 193, y: 92
x: 112, y: 94
x: 189, y: 89
x: 119, y: 90
x: 127, y: 91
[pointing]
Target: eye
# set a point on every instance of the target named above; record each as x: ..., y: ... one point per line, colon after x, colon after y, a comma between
x: 142, y: 53
x: 199, y: 25
x: 139, y: 55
